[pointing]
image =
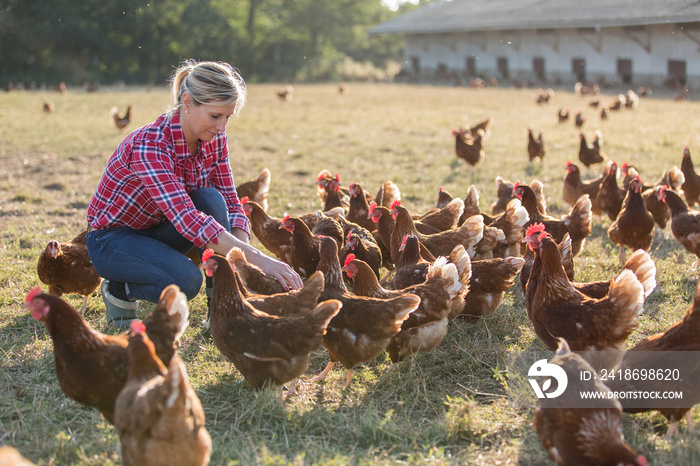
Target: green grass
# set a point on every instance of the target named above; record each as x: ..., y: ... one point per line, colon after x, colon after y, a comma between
x: 450, y: 406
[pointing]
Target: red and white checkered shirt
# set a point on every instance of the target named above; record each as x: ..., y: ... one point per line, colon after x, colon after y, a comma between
x: 149, y: 176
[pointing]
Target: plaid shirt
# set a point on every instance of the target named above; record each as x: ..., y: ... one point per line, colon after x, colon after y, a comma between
x: 149, y: 176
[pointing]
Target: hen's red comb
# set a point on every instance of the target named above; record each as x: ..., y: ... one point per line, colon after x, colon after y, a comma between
x: 350, y: 258
x: 321, y: 176
x: 534, y: 228
x: 32, y: 294
x: 405, y: 237
x: 337, y: 178
x: 206, y: 255
x: 286, y: 217
x: 568, y: 163
x: 625, y: 165
x: 137, y: 327
x: 347, y: 238
x: 395, y: 203
x: 515, y: 185
x: 244, y: 200
x: 372, y: 206
x: 440, y: 190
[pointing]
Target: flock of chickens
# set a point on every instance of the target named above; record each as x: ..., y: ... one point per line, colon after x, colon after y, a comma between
x: 452, y: 262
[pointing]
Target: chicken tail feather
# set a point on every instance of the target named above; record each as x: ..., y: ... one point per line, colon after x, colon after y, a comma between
x: 627, y: 294
x: 516, y: 216
x: 460, y: 258
x: 474, y: 229
x: 642, y: 265
x: 579, y: 222
x: 448, y: 272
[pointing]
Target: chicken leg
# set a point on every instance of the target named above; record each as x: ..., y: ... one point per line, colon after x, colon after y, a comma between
x: 671, y: 431
x: 348, y: 378
x: 84, y: 306
x: 689, y: 421
x: 322, y: 376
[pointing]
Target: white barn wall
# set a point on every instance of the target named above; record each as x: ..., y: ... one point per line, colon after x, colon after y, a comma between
x: 666, y: 42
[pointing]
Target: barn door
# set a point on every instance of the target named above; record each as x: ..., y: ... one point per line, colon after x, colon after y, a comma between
x: 578, y: 67
x: 415, y: 65
x: 676, y: 71
x: 538, y: 68
x: 471, y: 67
x: 503, y: 67
x: 624, y: 70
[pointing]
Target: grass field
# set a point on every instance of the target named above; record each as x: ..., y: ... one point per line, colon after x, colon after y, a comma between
x: 450, y: 406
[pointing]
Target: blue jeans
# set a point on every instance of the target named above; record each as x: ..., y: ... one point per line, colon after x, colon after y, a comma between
x: 149, y: 260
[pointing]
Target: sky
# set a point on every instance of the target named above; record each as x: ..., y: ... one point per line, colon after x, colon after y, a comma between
x: 394, y: 4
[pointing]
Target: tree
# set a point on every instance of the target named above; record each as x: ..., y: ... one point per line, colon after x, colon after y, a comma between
x: 137, y: 41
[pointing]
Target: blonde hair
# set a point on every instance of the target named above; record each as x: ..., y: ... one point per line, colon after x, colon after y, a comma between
x: 209, y: 82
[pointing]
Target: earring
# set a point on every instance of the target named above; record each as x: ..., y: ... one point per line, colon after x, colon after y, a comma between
x: 187, y: 111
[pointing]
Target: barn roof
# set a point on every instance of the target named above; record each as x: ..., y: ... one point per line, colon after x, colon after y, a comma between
x: 502, y: 15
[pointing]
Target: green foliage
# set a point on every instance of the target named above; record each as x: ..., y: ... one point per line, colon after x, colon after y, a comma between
x: 455, y: 405
x: 140, y: 42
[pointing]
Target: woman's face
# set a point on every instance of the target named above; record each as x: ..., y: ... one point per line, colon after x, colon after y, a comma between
x: 203, y: 121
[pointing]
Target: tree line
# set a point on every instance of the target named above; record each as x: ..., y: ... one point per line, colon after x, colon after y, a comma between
x: 141, y: 41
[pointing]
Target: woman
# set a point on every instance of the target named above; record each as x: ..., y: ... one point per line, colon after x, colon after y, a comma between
x: 168, y: 188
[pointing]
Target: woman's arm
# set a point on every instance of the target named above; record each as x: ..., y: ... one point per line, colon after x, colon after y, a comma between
x: 284, y: 274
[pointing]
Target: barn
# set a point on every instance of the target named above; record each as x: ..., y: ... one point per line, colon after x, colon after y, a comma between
x: 623, y: 42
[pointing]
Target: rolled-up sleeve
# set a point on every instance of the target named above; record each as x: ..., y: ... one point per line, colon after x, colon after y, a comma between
x: 222, y: 179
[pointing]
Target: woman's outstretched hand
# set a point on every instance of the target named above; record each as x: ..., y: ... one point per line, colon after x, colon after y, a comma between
x: 288, y: 278
x: 283, y: 273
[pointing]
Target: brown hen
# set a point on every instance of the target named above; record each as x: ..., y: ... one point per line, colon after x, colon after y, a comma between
x: 158, y: 415
x: 574, y: 187
x: 685, y: 225
x: 442, y: 291
x: 578, y: 223
x: 121, y: 121
x: 92, y: 367
x: 640, y: 263
x: 489, y: 282
x: 256, y: 190
x: 578, y: 432
x: 691, y: 185
x: 412, y: 264
x: 268, y: 231
x: 535, y: 146
x: 469, y: 147
x: 304, y: 251
x: 556, y: 308
x: 364, y: 326
x: 66, y: 268
x: 610, y: 195
x: 663, y: 351
x: 590, y: 155
x: 439, y: 244
x: 634, y: 225
x: 268, y: 350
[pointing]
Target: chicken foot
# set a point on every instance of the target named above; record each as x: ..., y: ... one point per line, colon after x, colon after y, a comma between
x: 348, y: 378
x: 322, y: 376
